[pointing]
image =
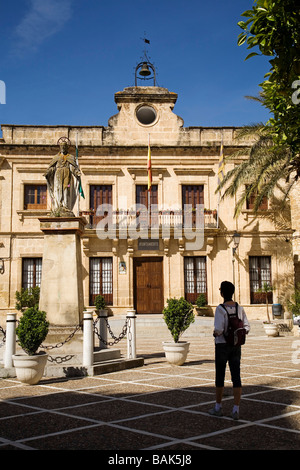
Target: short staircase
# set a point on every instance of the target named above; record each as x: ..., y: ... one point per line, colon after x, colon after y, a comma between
x: 105, y: 361
x: 111, y: 360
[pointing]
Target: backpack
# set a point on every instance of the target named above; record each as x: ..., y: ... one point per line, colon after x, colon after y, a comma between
x: 236, y: 333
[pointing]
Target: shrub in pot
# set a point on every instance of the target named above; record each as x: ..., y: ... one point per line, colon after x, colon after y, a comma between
x: 100, y: 303
x: 26, y: 298
x: 294, y: 305
x: 178, y: 316
x: 32, y: 330
x: 201, y: 304
x: 271, y: 328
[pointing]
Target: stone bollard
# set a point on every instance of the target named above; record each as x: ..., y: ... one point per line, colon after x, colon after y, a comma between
x: 131, y: 334
x: 10, y: 340
x: 88, y: 339
x: 103, y: 328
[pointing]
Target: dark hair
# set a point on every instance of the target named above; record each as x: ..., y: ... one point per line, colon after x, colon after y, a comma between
x: 227, y: 290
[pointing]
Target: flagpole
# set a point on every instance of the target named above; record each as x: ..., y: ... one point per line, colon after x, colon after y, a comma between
x: 78, y: 195
x: 220, y: 174
x: 149, y: 168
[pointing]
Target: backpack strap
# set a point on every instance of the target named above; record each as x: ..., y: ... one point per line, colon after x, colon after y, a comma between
x: 236, y: 308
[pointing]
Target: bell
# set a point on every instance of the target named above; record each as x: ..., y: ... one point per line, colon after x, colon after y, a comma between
x: 145, y: 70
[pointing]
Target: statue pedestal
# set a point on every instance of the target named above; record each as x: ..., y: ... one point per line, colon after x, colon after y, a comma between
x: 61, y: 295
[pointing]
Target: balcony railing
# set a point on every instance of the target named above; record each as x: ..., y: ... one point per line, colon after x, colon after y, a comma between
x: 155, y: 219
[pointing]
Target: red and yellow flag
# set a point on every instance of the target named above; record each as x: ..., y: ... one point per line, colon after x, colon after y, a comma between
x: 149, y: 167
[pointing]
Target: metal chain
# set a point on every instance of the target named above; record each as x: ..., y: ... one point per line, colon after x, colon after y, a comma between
x: 61, y: 359
x: 4, y: 336
x: 115, y: 338
x: 59, y: 345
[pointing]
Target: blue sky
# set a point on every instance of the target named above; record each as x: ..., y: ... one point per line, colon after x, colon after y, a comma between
x: 63, y: 60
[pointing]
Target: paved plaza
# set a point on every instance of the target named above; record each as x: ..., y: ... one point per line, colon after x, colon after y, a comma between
x: 160, y: 408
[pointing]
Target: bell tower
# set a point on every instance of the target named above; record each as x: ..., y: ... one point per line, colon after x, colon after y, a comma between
x: 145, y: 70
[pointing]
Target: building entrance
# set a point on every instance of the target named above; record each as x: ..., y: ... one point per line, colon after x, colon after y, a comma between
x: 148, y: 285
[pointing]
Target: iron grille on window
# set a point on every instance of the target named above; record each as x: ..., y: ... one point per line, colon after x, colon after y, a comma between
x: 31, y: 272
x: 195, y: 282
x: 260, y: 273
x: 101, y: 279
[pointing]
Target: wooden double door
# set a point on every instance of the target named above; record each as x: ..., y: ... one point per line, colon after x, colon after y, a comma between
x: 148, y: 285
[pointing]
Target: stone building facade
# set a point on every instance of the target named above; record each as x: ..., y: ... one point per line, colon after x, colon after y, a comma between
x: 130, y: 265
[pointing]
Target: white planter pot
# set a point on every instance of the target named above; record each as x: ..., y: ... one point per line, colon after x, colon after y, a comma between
x: 271, y: 329
x: 30, y: 369
x: 176, y: 353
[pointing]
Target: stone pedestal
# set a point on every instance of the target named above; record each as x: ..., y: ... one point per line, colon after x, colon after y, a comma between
x: 61, y: 295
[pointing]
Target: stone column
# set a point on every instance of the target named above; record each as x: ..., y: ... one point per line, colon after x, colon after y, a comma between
x: 61, y: 295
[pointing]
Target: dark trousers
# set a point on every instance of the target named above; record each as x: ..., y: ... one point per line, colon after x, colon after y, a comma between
x: 231, y: 354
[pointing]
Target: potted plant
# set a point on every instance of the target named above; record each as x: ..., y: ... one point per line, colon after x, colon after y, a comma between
x: 178, y: 315
x: 27, y: 298
x: 271, y: 328
x: 294, y: 305
x: 201, y: 304
x: 100, y: 305
x: 31, y: 332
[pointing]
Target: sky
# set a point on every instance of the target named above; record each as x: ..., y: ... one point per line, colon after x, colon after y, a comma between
x: 62, y: 61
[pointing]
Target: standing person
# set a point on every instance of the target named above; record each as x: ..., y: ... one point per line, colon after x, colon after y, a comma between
x: 226, y: 353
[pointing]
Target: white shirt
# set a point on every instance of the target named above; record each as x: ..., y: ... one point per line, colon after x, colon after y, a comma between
x: 221, y: 321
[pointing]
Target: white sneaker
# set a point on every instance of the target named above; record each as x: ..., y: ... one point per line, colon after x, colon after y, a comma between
x: 215, y: 412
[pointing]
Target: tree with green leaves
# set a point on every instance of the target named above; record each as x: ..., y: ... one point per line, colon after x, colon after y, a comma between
x: 274, y: 158
x: 264, y: 172
x: 272, y: 26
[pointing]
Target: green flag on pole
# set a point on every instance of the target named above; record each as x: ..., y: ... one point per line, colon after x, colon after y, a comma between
x: 80, y: 185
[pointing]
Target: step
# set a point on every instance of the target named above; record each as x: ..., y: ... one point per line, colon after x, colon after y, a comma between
x: 101, y: 355
x: 117, y: 365
x: 98, y: 368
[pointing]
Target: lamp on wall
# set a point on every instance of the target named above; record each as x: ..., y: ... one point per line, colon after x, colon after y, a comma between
x: 236, y: 241
x: 1, y: 266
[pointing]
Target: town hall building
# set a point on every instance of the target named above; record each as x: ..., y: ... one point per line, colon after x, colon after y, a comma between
x: 142, y: 245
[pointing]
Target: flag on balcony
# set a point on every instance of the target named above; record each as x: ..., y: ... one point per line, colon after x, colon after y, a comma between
x: 80, y: 186
x: 149, y: 167
x: 221, y: 164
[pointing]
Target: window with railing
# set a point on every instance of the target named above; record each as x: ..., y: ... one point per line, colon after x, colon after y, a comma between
x: 260, y: 274
x: 99, y: 195
x: 191, y: 196
x: 145, y: 198
x: 195, y: 279
x: 101, y: 279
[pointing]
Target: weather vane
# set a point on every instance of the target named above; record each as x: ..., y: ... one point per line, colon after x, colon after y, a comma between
x: 145, y: 66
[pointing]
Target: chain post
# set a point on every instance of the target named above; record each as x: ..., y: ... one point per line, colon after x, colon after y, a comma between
x: 10, y: 343
x: 103, y: 328
x: 131, y: 334
x: 88, y: 339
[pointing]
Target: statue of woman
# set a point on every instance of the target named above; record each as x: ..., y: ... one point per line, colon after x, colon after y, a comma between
x: 62, y: 178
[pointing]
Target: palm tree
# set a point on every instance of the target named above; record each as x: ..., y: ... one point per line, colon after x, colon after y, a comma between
x: 266, y: 168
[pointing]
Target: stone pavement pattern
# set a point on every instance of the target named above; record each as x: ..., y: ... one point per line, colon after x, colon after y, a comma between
x: 158, y: 407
